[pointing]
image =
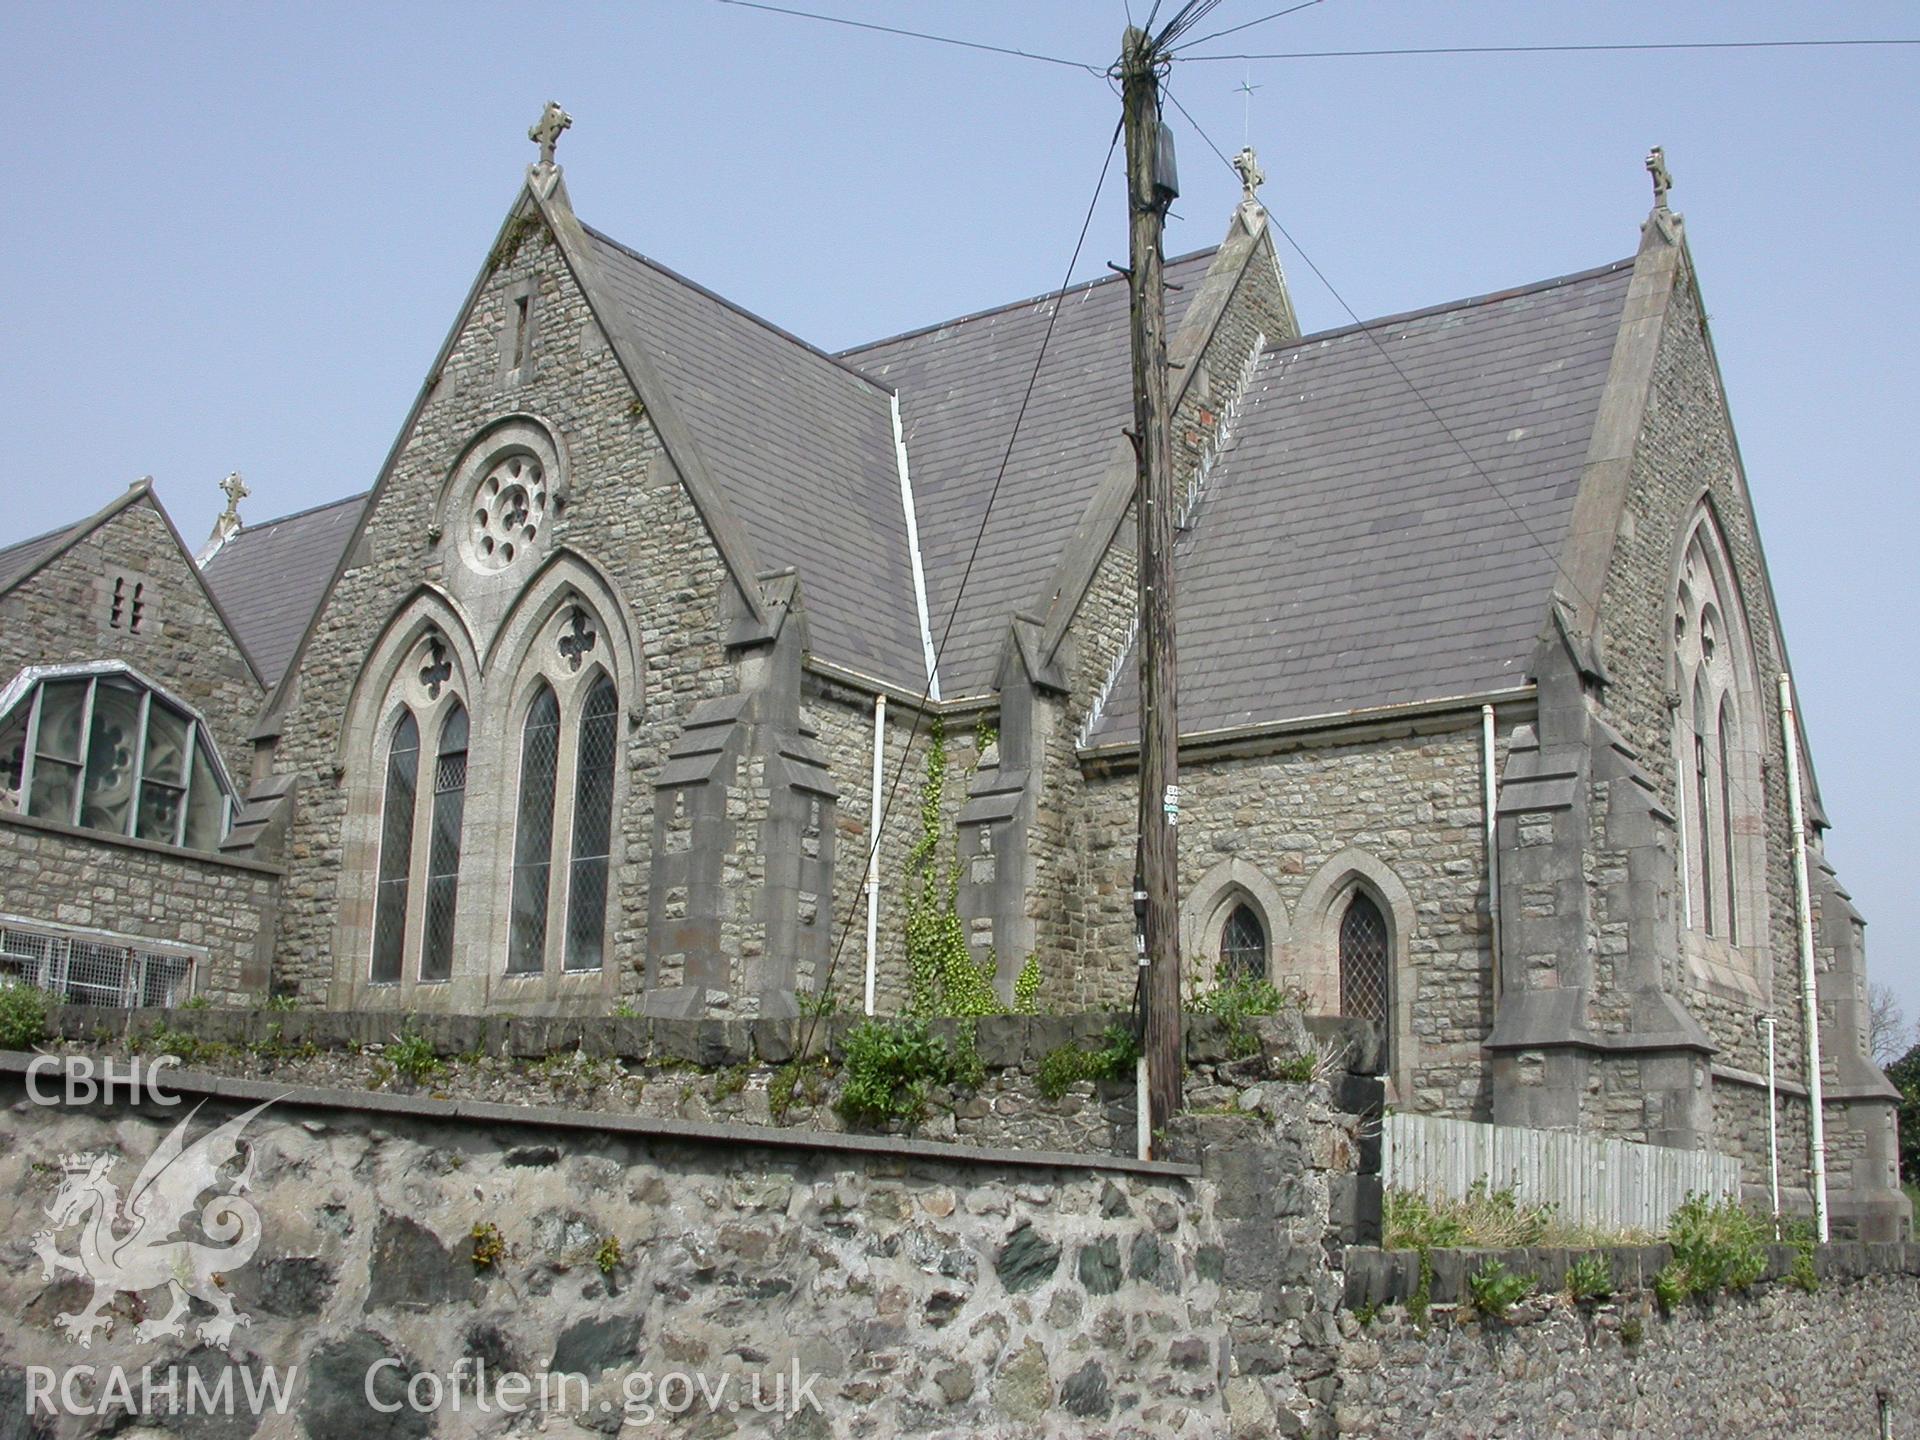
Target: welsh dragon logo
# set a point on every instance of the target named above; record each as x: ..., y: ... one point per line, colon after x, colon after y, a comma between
x: 135, y: 1244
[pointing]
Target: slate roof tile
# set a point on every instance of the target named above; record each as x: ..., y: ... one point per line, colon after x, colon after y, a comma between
x: 1345, y: 554
x: 802, y: 446
x: 270, y: 578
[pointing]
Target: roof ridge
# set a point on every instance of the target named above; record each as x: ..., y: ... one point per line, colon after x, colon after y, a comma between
x: 1490, y: 298
x: 246, y: 529
x: 738, y: 309
x: 1044, y: 295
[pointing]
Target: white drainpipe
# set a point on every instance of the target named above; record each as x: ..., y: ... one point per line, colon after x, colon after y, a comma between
x: 1490, y: 802
x: 1809, y: 998
x: 1773, y: 1129
x: 873, y: 845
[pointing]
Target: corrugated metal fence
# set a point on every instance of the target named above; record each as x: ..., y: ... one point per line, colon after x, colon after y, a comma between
x: 1591, y: 1181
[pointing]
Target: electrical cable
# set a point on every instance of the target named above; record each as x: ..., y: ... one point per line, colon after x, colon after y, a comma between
x: 912, y: 34
x: 1553, y: 49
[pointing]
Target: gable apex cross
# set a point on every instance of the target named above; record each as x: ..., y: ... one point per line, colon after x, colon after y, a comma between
x: 1252, y: 177
x: 546, y: 131
x: 1662, y: 177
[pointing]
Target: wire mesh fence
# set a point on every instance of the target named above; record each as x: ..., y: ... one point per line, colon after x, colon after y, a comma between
x: 93, y: 968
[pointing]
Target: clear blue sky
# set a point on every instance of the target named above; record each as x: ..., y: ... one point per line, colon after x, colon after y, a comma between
x: 241, y: 231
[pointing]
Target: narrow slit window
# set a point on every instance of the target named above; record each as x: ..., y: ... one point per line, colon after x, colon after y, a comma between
x: 533, y: 835
x: 1725, y: 741
x: 443, y: 850
x: 522, y: 326
x: 396, y: 851
x: 592, y: 828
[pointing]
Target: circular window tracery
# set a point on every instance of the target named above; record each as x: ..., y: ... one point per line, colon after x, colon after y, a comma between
x: 509, y: 509
x: 500, y: 501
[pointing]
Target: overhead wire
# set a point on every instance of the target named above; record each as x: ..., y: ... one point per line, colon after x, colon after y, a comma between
x: 966, y: 573
x: 1550, y: 49
x: 913, y: 34
x: 1249, y: 24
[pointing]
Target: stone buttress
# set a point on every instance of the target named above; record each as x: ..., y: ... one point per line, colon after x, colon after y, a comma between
x: 739, y: 909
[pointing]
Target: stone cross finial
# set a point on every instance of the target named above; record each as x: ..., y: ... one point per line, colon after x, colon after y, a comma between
x: 1252, y: 177
x: 546, y: 131
x: 1662, y: 179
x: 235, y: 489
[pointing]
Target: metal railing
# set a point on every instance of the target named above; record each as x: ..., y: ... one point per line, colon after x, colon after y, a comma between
x: 95, y: 967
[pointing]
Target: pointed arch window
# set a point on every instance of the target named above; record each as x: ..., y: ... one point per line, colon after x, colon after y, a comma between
x: 1716, y: 744
x: 443, y: 848
x: 396, y: 850
x: 1363, y: 959
x: 592, y: 828
x: 533, y: 834
x: 1243, y: 945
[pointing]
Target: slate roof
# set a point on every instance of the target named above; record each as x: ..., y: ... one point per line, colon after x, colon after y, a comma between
x: 1345, y: 553
x: 23, y: 557
x: 802, y: 446
x: 271, y: 577
x: 960, y: 388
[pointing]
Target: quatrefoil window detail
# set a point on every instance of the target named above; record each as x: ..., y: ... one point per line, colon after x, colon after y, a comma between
x: 578, y: 639
x: 437, y: 669
x: 509, y: 509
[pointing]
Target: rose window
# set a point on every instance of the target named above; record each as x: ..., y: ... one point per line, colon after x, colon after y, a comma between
x: 508, y: 510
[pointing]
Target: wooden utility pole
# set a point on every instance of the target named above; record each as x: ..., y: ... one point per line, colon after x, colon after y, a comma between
x: 1150, y: 188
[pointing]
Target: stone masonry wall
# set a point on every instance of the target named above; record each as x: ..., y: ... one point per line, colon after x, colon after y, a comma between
x: 1772, y: 1362
x: 1413, y: 805
x: 926, y: 1290
x: 142, y: 889
x: 60, y: 616
x: 628, y: 512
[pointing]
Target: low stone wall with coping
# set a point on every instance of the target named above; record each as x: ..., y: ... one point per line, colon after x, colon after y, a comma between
x: 1415, y: 1357
x: 763, y: 1072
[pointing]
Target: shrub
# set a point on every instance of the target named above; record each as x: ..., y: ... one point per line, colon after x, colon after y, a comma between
x: 1670, y: 1285
x: 1061, y: 1068
x: 1237, y: 1001
x: 489, y: 1245
x: 609, y: 1256
x: 891, y: 1066
x: 1590, y: 1278
x: 1494, y: 1288
x: 23, y: 1015
x: 411, y: 1054
x: 1718, y: 1246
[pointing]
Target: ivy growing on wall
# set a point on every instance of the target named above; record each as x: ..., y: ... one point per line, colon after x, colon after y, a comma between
x: 942, y: 975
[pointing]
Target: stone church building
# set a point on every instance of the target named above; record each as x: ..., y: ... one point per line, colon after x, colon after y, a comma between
x: 583, y: 703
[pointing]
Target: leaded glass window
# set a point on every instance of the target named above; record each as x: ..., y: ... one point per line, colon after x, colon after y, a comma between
x: 592, y: 828
x: 1724, y: 739
x: 396, y: 850
x: 1363, y: 959
x: 533, y: 835
x: 443, y: 849
x: 104, y: 750
x: 1243, y: 945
